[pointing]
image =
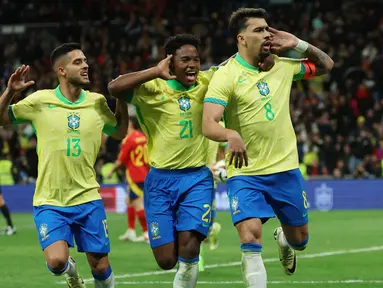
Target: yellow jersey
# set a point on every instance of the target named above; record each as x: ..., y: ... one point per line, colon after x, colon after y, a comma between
x: 257, y: 107
x: 69, y: 139
x: 170, y: 115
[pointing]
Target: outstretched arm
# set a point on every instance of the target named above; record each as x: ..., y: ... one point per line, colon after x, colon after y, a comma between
x: 282, y: 40
x: 123, y: 83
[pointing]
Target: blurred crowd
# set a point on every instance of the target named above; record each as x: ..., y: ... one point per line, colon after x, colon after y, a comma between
x: 338, y: 117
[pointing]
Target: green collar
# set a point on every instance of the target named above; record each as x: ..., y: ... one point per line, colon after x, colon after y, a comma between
x: 65, y: 100
x: 244, y: 63
x: 175, y: 85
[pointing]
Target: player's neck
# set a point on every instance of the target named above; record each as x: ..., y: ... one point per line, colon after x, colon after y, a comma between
x: 250, y: 59
x: 70, y: 92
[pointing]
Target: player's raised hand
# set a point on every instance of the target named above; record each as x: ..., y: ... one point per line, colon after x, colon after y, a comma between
x: 237, y: 150
x: 16, y: 82
x: 164, y: 69
x: 281, y: 40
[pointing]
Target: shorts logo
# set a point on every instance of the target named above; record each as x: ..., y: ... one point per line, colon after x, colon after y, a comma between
x: 234, y: 205
x: 155, y: 230
x: 184, y: 103
x: 74, y: 121
x: 43, y: 231
x: 263, y: 88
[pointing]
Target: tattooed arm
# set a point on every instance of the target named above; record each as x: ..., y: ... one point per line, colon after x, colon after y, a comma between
x: 322, y: 61
x: 283, y: 40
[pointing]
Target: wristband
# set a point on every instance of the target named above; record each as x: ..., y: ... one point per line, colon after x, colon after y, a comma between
x: 301, y: 46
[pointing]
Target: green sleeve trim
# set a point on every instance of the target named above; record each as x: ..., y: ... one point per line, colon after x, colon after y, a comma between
x: 301, y: 74
x: 109, y: 129
x: 13, y: 118
x: 128, y: 97
x: 215, y: 101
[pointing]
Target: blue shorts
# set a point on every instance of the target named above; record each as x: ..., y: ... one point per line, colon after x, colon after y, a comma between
x: 85, y: 222
x: 177, y: 200
x: 135, y: 190
x: 262, y: 196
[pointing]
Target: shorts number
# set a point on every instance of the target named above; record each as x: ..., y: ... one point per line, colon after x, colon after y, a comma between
x: 206, y: 217
x: 73, y: 147
x: 139, y: 155
x: 269, y: 112
x: 187, y: 129
x: 105, y: 224
x: 304, y: 199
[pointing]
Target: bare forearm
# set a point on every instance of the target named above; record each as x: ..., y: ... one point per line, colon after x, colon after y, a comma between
x: 116, y: 166
x: 131, y: 81
x: 122, y: 116
x: 322, y: 61
x: 5, y: 101
x: 214, y: 131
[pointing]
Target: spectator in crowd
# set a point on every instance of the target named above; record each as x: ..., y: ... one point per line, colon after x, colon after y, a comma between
x: 338, y: 118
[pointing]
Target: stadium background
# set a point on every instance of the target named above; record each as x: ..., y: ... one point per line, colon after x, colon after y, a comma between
x: 338, y: 120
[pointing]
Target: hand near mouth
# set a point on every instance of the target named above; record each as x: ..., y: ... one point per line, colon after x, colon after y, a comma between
x: 281, y: 40
x: 163, y: 68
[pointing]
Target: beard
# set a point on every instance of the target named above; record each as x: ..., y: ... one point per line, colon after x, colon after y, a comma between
x: 79, y: 82
x: 263, y: 54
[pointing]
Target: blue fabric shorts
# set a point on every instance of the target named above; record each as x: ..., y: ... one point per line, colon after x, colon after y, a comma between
x: 85, y: 222
x: 177, y: 200
x: 281, y: 194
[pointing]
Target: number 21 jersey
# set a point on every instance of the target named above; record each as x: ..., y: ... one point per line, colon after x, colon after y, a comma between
x: 170, y: 115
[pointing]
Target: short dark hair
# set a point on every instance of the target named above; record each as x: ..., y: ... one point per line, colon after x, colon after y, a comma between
x: 238, y: 19
x: 63, y: 50
x: 173, y: 43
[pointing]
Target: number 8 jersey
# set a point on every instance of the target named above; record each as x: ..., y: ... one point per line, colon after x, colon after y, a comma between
x: 170, y: 115
x: 68, y: 142
x: 257, y: 106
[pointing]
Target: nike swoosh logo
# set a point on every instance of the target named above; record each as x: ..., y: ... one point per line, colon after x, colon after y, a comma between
x: 305, y: 214
x: 52, y: 106
x: 241, y: 81
x: 205, y: 225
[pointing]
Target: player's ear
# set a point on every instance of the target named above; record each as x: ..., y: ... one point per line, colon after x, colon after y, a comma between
x: 240, y: 39
x: 60, y: 70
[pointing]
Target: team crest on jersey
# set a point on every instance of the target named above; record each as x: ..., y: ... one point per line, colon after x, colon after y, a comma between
x: 184, y: 103
x: 43, y: 231
x: 263, y: 88
x: 155, y: 230
x: 74, y: 120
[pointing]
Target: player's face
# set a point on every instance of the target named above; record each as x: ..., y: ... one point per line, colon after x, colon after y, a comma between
x: 77, y: 69
x: 186, y: 65
x: 256, y: 37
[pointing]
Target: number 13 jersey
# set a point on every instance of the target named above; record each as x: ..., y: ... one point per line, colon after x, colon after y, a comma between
x: 68, y: 142
x: 170, y: 115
